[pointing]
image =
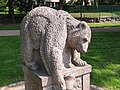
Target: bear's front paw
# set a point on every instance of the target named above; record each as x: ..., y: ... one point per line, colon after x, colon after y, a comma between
x: 79, y: 62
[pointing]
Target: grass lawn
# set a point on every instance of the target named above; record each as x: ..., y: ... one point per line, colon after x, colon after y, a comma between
x: 103, y: 55
x: 100, y: 25
x: 10, y: 60
x: 95, y: 14
x: 10, y: 27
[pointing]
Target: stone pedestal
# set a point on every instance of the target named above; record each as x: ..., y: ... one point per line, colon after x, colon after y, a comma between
x: 36, y: 80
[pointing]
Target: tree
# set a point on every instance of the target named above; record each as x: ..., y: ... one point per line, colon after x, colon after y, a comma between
x: 110, y: 2
x: 61, y: 3
x: 81, y: 4
x: 10, y: 6
x: 11, y: 9
x: 27, y: 5
x: 95, y: 2
x: 3, y: 3
x: 86, y: 2
x: 118, y: 2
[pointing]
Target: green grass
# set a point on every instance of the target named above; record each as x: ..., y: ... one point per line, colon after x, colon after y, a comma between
x: 10, y: 60
x: 100, y: 25
x: 104, y: 56
x: 10, y: 27
x: 95, y: 14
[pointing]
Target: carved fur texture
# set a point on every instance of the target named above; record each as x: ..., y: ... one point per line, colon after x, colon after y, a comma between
x: 52, y: 40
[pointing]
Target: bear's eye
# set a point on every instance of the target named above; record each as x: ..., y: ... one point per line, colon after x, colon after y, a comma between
x: 84, y: 40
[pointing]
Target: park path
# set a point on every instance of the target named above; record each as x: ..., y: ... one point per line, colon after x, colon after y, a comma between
x: 9, y: 32
x: 106, y: 29
x: 17, y: 32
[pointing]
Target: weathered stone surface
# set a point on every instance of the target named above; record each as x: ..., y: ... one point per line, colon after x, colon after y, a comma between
x: 74, y: 81
x: 51, y: 41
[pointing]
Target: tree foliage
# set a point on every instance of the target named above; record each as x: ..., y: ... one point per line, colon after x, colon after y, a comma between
x: 3, y: 2
x: 61, y: 2
x: 27, y: 5
x: 108, y: 2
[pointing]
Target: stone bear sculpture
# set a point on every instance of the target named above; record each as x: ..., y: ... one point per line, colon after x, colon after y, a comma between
x: 52, y: 40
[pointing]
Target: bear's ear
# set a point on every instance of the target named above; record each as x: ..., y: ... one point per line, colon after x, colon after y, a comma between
x: 81, y: 25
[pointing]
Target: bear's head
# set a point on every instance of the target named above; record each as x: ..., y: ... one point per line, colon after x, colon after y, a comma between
x: 79, y: 37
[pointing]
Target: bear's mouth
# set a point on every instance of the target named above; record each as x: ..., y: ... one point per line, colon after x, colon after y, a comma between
x: 80, y: 49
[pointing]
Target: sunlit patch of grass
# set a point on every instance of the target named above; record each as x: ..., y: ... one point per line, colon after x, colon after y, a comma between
x: 104, y: 56
x: 99, y: 25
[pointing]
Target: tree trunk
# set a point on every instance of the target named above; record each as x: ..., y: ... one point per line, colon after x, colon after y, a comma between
x: 11, y: 10
x: 81, y: 5
x: 95, y: 3
x: 61, y: 3
x: 86, y: 2
x: 30, y: 5
x: 118, y: 1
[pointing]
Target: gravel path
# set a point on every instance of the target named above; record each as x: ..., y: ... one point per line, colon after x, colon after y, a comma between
x: 9, y: 32
x: 106, y: 29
